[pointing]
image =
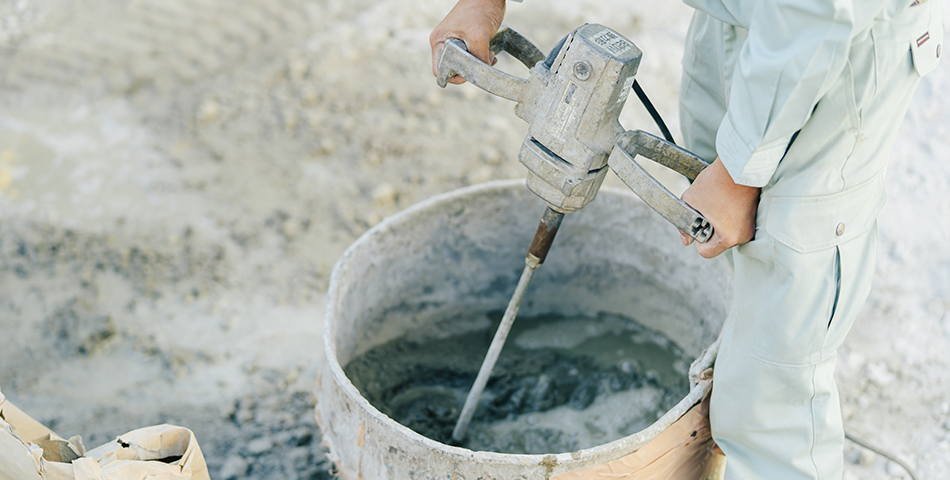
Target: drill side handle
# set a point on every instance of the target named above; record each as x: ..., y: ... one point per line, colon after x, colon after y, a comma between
x: 508, y: 40
x: 621, y: 161
x: 455, y: 60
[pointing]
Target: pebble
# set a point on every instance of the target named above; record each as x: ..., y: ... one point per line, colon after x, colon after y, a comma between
x: 681, y: 366
x: 410, y: 125
x: 385, y: 195
x: 384, y: 94
x: 403, y: 99
x: 234, y: 467
x: 865, y: 458
x: 879, y: 373
x: 244, y: 415
x: 480, y: 175
x: 327, y: 147
x: 374, y: 158
x: 292, y: 375
x: 848, y: 411
x: 260, y: 445
x: 290, y: 120
x: 291, y: 228
x: 490, y: 154
x: 300, y: 458
x: 435, y: 98
x: 309, y: 95
x: 302, y: 436
x: 372, y: 219
x: 626, y: 367
x: 851, y: 456
x: 946, y: 323
x: 283, y: 438
x: 208, y: 111
x: 297, y: 68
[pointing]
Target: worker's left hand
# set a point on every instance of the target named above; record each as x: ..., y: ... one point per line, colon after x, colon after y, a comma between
x: 729, y: 207
x: 473, y: 22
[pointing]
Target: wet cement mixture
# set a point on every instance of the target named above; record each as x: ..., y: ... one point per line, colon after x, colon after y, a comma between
x: 553, y: 370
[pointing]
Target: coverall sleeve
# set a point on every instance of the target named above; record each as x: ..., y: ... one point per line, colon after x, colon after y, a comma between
x: 794, y: 52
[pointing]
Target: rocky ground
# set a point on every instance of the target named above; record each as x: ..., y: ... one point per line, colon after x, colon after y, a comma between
x: 177, y: 179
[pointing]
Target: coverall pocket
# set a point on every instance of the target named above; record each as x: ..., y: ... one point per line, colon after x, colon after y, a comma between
x: 808, y: 224
x: 793, y: 331
x: 806, y: 284
x: 855, y: 275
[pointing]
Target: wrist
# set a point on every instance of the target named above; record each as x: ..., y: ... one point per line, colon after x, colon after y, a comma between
x: 720, y: 175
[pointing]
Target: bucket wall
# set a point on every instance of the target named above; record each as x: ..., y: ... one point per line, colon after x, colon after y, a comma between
x: 463, y: 252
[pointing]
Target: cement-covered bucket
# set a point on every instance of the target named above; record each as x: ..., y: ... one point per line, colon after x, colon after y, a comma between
x: 464, y: 251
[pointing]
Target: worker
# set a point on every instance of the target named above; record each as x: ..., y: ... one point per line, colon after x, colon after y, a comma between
x: 797, y: 103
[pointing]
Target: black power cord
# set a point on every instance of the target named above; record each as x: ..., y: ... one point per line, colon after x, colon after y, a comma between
x: 653, y: 113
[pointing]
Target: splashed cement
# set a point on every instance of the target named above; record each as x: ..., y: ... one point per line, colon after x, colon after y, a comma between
x: 561, y: 383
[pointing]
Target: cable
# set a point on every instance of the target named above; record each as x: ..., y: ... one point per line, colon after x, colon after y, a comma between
x: 653, y: 113
x: 887, y: 455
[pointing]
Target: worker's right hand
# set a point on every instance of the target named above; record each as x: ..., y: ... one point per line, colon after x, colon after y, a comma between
x: 473, y: 22
x: 728, y: 206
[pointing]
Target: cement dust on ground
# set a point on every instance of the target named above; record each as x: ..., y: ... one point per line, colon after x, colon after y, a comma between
x: 177, y: 179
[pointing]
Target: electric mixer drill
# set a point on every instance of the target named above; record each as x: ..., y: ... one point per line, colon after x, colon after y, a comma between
x: 572, y: 101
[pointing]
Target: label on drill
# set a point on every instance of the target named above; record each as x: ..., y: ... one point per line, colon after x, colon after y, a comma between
x: 565, y: 112
x: 612, y: 42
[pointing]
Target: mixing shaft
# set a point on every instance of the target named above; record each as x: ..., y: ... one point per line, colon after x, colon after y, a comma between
x: 540, y: 244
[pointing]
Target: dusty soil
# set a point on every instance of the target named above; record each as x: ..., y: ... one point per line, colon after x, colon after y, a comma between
x: 177, y: 179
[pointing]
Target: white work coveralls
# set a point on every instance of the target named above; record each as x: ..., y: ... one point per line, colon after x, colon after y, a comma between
x: 803, y: 98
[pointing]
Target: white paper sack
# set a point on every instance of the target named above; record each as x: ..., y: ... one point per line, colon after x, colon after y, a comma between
x: 161, y: 452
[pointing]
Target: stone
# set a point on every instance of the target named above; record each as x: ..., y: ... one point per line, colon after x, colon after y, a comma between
x: 879, y: 373
x: 300, y: 458
x: 233, y: 467
x: 385, y: 195
x: 260, y: 445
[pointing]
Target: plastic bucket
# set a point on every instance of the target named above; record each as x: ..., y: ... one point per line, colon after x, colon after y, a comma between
x: 464, y: 251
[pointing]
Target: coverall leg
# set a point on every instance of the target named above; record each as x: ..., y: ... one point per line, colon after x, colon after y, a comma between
x: 801, y: 281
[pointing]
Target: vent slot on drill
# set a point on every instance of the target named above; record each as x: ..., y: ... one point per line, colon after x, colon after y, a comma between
x: 547, y: 151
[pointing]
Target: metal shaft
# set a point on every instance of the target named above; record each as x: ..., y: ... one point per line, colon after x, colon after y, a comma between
x: 538, y: 250
x: 497, y: 343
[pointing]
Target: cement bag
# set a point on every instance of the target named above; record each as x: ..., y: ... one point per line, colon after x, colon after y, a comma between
x: 161, y: 452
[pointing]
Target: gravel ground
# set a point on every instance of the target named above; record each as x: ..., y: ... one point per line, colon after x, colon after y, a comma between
x: 177, y: 179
